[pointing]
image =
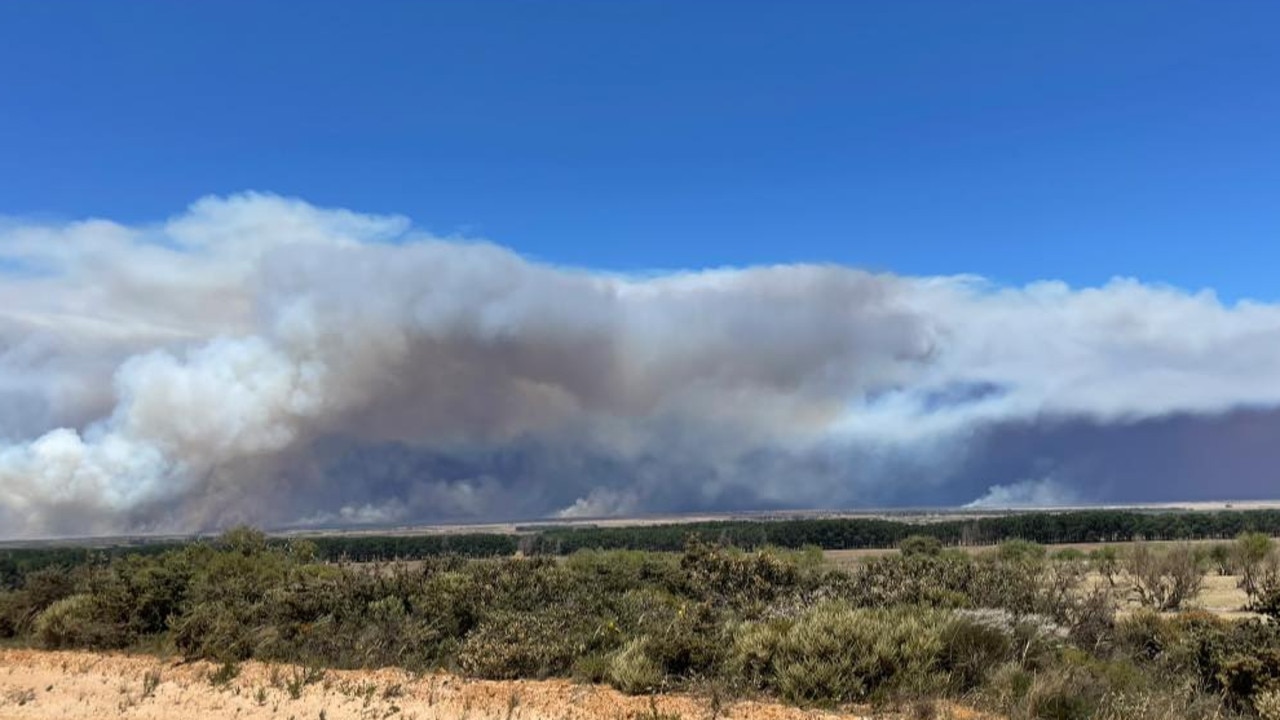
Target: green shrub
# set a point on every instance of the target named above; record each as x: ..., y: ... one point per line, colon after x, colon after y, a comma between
x: 972, y: 647
x: 1007, y: 686
x: 920, y: 545
x: 1020, y: 551
x: 634, y: 670
x: 1076, y: 688
x: 837, y: 653
x: 730, y: 578
x: 64, y: 623
x: 617, y: 571
x: 40, y: 589
x: 592, y: 667
x: 945, y: 581
x: 755, y: 646
x: 1222, y: 557
x: 1232, y: 660
x: 510, y: 645
x: 1142, y: 635
x: 11, y: 610
x: 1252, y: 549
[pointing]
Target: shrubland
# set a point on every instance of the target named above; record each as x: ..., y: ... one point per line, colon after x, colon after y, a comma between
x: 1017, y: 630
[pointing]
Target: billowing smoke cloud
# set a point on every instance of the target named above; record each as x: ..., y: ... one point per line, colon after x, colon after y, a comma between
x: 259, y: 359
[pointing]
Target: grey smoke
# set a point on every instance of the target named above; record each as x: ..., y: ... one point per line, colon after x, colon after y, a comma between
x: 259, y: 359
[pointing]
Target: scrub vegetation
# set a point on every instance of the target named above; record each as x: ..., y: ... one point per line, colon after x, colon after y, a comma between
x: 1017, y: 630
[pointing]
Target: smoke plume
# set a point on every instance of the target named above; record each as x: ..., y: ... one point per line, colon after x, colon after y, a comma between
x: 258, y: 359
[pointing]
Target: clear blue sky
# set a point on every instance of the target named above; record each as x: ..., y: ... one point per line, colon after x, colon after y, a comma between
x: 1018, y: 140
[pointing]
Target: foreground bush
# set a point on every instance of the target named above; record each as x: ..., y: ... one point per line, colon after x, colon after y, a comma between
x: 836, y: 653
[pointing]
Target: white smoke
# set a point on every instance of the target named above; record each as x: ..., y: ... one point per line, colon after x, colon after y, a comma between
x: 259, y: 359
x: 1042, y: 493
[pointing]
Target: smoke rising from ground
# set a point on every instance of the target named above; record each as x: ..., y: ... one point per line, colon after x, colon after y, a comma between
x: 260, y: 359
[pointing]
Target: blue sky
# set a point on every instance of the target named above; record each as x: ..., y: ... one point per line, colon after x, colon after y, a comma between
x: 1017, y: 140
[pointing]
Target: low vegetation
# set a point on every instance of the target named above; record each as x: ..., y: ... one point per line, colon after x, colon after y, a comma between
x: 1017, y: 630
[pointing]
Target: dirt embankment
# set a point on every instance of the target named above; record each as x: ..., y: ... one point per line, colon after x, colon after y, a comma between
x: 79, y: 686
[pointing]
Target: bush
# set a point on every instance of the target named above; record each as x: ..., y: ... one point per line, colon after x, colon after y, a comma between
x: 945, y: 581
x: 1233, y: 660
x: 633, y: 669
x: 920, y: 545
x: 1164, y: 581
x: 40, y: 589
x: 74, y: 621
x: 1246, y: 663
x: 1020, y: 551
x: 1222, y: 558
x: 1077, y: 688
x: 755, y: 645
x: 976, y: 642
x: 1251, y: 551
x: 1265, y: 583
x: 836, y: 653
x: 617, y: 571
x: 510, y: 645
x: 11, y: 611
x: 729, y: 578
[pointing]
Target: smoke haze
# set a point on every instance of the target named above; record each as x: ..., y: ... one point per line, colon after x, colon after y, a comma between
x: 258, y: 359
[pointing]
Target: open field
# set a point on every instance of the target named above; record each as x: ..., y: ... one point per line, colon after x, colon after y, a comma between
x: 40, y: 685
x: 1221, y: 594
x: 845, y: 557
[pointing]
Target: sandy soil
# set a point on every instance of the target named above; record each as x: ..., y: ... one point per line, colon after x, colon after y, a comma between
x: 77, y: 685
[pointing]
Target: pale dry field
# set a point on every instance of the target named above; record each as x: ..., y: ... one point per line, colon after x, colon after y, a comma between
x: 1221, y: 594
x: 42, y: 685
x: 847, y: 557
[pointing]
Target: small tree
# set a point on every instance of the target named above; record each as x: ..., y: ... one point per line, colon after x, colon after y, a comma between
x: 1222, y: 556
x: 1164, y: 581
x: 1106, y: 560
x: 1251, y: 552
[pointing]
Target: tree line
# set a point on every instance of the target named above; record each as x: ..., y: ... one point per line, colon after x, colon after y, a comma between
x: 1085, y: 526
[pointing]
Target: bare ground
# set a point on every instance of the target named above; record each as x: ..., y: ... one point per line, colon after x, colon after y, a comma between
x: 80, y: 685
